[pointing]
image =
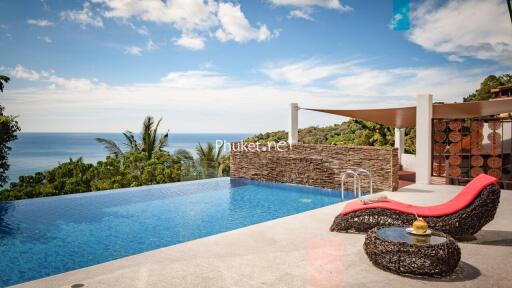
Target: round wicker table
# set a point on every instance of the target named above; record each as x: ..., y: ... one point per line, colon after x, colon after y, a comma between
x: 394, y: 250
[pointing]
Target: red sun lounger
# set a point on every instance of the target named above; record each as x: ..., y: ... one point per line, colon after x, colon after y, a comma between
x: 463, y: 215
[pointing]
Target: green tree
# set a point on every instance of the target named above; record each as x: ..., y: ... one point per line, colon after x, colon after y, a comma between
x: 75, y: 176
x: 3, y: 80
x: 8, y: 128
x: 189, y: 169
x: 276, y: 136
x: 212, y: 163
x: 359, y: 132
x: 149, y: 144
x: 410, y: 141
x: 68, y: 177
x: 490, y: 82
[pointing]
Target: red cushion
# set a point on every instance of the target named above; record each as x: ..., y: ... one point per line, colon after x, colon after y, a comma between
x: 460, y: 201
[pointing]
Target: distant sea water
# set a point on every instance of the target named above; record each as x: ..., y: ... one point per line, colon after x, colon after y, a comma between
x: 34, y: 152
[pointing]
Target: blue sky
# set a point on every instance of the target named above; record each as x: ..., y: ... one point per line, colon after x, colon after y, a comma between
x: 233, y: 66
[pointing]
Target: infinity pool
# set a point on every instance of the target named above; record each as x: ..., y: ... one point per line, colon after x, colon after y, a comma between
x: 47, y: 236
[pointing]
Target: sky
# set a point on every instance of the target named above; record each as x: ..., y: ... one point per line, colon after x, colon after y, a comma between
x: 234, y: 66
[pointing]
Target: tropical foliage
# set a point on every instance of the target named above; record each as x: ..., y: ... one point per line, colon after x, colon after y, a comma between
x: 75, y: 176
x: 150, y: 141
x: 8, y: 128
x: 143, y: 163
x: 212, y: 163
x: 490, y: 82
x: 351, y: 132
x: 3, y: 80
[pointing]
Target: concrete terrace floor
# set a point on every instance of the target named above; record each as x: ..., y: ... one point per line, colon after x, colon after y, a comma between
x: 299, y: 251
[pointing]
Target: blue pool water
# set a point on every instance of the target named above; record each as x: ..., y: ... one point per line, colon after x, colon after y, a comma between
x: 47, y: 236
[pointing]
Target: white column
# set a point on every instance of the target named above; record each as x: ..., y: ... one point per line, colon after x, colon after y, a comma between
x: 423, y: 138
x: 400, y: 142
x: 293, y: 132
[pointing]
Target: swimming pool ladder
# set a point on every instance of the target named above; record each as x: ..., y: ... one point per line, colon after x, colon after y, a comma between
x: 357, y: 181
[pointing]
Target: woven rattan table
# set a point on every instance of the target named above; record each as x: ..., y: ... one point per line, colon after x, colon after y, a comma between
x: 394, y: 250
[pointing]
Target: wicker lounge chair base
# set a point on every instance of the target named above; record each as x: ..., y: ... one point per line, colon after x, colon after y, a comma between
x: 465, y: 222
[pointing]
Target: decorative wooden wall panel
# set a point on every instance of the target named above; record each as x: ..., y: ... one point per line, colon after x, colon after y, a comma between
x: 459, y: 153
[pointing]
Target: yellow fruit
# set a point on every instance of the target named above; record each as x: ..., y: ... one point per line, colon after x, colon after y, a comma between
x: 420, y: 226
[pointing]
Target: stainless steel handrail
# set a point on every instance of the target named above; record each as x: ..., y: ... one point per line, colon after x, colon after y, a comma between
x: 357, y: 181
x: 355, y: 185
x: 363, y: 171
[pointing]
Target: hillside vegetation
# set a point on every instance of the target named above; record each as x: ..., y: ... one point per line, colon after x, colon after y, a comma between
x: 351, y: 132
x: 365, y: 133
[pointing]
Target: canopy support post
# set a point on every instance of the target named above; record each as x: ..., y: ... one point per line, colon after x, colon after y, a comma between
x: 400, y: 142
x: 293, y: 132
x: 423, y: 138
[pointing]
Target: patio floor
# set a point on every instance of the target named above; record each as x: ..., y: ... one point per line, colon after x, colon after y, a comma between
x: 299, y: 251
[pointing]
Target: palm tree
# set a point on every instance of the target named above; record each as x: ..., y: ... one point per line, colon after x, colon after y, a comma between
x: 149, y: 135
x: 3, y: 80
x: 183, y: 155
x: 150, y: 142
x: 189, y: 169
x: 211, y: 162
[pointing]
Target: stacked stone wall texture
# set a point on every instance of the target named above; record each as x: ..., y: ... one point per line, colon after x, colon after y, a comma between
x: 318, y: 165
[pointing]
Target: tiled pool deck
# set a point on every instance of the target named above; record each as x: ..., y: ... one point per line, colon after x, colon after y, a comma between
x: 298, y: 251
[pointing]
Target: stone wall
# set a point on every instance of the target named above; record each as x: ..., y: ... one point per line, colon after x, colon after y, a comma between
x: 318, y: 165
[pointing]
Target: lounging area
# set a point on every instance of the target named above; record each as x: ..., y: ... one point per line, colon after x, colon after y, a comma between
x: 347, y: 222
x: 300, y: 251
x: 265, y: 144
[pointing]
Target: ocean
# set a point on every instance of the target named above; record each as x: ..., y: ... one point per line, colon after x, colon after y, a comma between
x: 34, y: 152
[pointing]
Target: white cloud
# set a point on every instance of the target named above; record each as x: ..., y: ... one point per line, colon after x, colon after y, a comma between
x: 455, y: 58
x: 329, y: 4
x: 224, y: 104
x: 56, y: 82
x: 195, y: 79
x: 305, y: 72
x: 137, y: 50
x: 22, y: 72
x: 190, y: 41
x: 304, y: 8
x: 470, y: 28
x: 443, y: 82
x: 185, y: 105
x: 73, y: 84
x: 195, y: 19
x: 84, y: 17
x: 40, y: 22
x: 45, y: 39
x: 354, y: 79
x: 151, y: 45
x: 234, y: 26
x: 364, y: 83
x: 186, y: 15
x: 133, y: 50
x: 304, y: 13
x: 142, y: 30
